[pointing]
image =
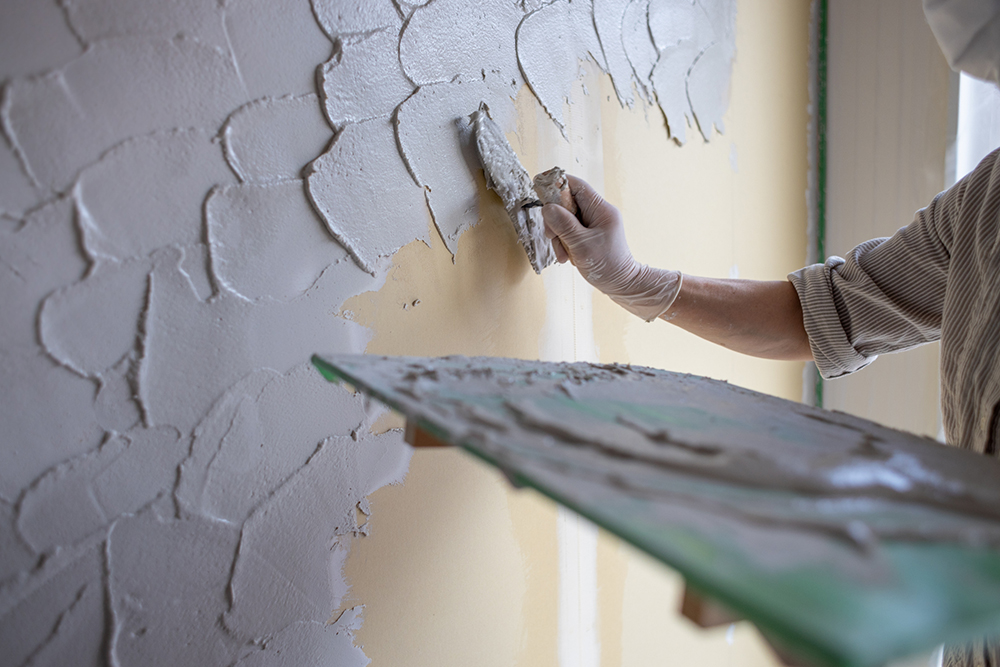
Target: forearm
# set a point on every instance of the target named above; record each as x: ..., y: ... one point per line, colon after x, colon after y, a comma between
x: 759, y: 318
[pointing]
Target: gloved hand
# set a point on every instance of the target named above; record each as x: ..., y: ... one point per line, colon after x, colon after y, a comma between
x: 597, y: 248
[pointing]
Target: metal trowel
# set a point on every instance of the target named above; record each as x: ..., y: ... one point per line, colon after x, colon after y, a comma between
x: 522, y: 197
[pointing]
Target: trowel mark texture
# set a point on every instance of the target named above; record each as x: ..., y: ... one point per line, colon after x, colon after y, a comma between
x: 188, y: 194
x: 146, y: 193
x: 436, y: 139
x: 269, y: 139
x: 364, y: 79
x: 366, y: 197
x: 352, y: 18
x: 80, y: 496
x: 608, y: 18
x: 257, y: 255
x: 550, y: 42
x: 121, y: 88
x: 454, y: 38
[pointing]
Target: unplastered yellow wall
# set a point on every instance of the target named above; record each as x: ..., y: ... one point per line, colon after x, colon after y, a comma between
x: 459, y: 568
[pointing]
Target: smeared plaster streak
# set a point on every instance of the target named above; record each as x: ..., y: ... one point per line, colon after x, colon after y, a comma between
x: 505, y: 176
x: 15, y: 554
x: 153, y: 563
x: 267, y: 243
x: 59, y: 622
x: 337, y: 17
x: 696, y: 43
x: 231, y: 50
x: 296, y: 413
x: 31, y: 607
x: 310, y: 642
x: 34, y: 37
x: 364, y: 80
x: 242, y: 335
x: 113, y: 623
x: 608, y: 17
x: 276, y: 46
x: 33, y: 439
x: 708, y: 82
x: 78, y: 637
x: 138, y: 361
x: 208, y: 437
x: 582, y: 16
x: 671, y: 22
x: 115, y: 405
x: 99, y: 20
x: 42, y: 254
x: 434, y: 132
x: 11, y: 139
x: 18, y: 191
x: 85, y: 494
x: 195, y: 266
x: 146, y: 193
x: 402, y: 151
x: 639, y: 47
x: 274, y: 556
x: 86, y: 227
x: 270, y: 139
x: 91, y: 325
x: 361, y: 189
x: 64, y: 7
x: 446, y: 39
x: 118, y: 89
x: 550, y: 41
x: 708, y: 96
x: 669, y: 80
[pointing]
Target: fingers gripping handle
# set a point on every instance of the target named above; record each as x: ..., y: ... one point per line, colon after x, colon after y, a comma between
x: 594, y: 241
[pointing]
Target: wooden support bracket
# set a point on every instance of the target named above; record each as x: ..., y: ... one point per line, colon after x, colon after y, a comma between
x: 704, y: 611
x: 707, y: 613
x: 418, y: 437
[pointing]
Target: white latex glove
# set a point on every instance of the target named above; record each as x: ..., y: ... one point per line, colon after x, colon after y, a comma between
x: 597, y: 248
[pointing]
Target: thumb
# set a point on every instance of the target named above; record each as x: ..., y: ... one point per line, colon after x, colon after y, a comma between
x: 559, y: 222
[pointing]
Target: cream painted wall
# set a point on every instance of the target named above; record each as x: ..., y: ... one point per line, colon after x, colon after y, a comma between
x: 459, y: 568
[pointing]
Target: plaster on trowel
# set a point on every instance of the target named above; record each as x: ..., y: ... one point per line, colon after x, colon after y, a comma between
x: 522, y: 197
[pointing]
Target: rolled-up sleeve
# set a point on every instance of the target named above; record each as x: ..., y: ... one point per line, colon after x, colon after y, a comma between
x: 831, y: 347
x: 887, y: 295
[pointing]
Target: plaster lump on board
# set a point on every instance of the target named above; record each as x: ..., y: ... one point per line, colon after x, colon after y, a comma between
x: 506, y: 176
x: 666, y: 438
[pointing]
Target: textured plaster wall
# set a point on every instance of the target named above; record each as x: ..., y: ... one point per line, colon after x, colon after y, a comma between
x: 197, y: 195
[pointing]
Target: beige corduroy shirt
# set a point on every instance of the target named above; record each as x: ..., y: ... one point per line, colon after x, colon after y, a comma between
x: 938, y: 278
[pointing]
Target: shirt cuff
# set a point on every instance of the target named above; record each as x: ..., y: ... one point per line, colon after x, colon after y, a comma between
x: 834, y: 354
